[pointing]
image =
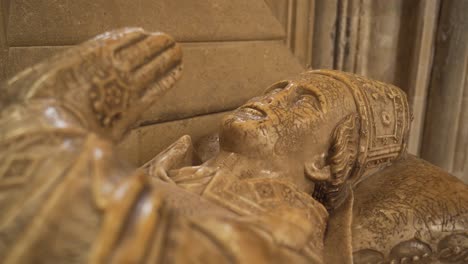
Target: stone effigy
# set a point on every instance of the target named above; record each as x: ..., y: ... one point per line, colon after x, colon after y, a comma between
x: 313, y: 171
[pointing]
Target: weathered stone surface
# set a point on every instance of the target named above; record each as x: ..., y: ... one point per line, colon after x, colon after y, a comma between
x: 3, y: 59
x: 153, y: 139
x: 19, y: 58
x: 128, y: 148
x: 3, y: 46
x: 282, y: 186
x: 41, y: 23
x: 217, y: 76
x: 390, y: 41
x: 445, y: 141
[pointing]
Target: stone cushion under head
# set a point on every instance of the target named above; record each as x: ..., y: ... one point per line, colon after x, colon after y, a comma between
x: 408, y: 208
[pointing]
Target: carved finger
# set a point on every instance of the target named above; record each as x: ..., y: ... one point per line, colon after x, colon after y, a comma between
x: 145, y: 61
x: 161, y: 174
x: 107, y: 81
x: 141, y: 49
x: 161, y: 63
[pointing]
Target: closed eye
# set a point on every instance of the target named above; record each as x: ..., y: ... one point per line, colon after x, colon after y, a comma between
x: 308, y: 96
x: 277, y: 87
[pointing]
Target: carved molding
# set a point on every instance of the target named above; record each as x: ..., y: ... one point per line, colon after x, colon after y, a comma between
x: 3, y: 45
x: 297, y: 19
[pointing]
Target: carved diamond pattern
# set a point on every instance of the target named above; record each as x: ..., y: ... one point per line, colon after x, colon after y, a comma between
x: 16, y: 170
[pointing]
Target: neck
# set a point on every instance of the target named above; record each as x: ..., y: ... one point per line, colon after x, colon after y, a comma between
x: 237, y: 163
x: 242, y: 166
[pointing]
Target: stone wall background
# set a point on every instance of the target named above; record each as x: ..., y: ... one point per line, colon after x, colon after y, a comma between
x: 420, y: 46
x: 234, y: 49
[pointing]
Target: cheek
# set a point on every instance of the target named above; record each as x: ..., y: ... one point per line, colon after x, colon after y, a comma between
x: 295, y: 128
x: 240, y: 133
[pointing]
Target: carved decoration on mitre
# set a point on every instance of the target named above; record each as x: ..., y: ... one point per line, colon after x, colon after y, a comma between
x: 384, y: 118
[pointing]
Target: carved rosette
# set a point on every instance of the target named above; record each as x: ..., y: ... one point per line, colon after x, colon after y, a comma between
x: 108, y: 98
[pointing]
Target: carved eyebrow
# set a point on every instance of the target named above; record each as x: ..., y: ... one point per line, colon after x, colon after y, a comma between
x: 316, y: 93
x: 278, y: 85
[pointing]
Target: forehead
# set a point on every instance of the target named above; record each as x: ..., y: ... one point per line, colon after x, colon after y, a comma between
x: 334, y: 93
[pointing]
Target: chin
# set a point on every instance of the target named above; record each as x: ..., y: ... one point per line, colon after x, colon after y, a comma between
x: 243, y: 137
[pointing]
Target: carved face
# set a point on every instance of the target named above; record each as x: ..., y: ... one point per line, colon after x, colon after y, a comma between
x: 293, y: 118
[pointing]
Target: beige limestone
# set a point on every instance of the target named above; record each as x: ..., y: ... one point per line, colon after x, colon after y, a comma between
x: 128, y: 148
x: 313, y: 171
x: 19, y: 58
x: 217, y: 76
x: 155, y: 138
x: 42, y: 23
x: 3, y: 46
x: 232, y: 51
x: 445, y: 141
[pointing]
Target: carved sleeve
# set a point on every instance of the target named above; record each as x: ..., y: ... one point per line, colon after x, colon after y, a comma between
x: 59, y: 178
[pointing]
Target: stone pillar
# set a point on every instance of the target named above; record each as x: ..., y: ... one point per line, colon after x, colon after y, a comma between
x: 4, y: 5
x: 445, y: 141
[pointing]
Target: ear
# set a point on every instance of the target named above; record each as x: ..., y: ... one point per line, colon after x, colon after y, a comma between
x: 332, y: 191
x: 316, y: 168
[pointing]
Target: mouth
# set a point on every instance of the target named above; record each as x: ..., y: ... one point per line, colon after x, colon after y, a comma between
x: 251, y: 111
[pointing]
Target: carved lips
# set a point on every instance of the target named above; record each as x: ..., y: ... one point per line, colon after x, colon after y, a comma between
x: 251, y: 111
